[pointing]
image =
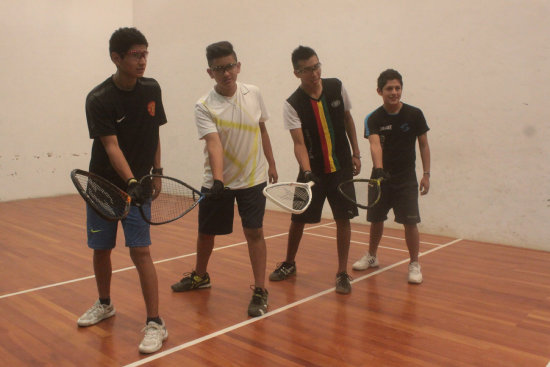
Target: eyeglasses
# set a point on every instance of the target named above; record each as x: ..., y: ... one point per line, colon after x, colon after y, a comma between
x: 223, y: 68
x: 137, y: 55
x: 309, y: 69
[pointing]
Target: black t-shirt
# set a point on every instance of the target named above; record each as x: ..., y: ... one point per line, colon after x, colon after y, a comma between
x: 398, y: 135
x: 134, y: 117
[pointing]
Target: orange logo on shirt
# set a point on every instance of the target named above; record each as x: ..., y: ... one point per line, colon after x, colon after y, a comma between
x: 151, y: 108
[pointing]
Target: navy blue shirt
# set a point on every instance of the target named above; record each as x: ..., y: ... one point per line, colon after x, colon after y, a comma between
x: 398, y: 133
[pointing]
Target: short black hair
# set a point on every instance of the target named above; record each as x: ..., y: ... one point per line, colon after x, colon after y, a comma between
x: 124, y: 38
x: 301, y: 53
x: 219, y: 49
x: 387, y: 75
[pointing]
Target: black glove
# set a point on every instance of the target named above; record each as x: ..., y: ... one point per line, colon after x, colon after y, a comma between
x: 136, y: 192
x: 310, y: 176
x: 217, y: 189
x: 380, y: 173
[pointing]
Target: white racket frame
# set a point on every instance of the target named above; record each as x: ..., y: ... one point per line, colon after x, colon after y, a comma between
x: 290, y: 185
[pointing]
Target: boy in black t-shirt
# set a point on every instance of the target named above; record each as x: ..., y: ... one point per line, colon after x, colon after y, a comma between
x: 392, y: 130
x: 124, y: 114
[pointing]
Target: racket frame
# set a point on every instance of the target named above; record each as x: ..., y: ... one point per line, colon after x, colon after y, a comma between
x: 306, y: 185
x: 187, y: 210
x: 375, y: 181
x: 105, y: 183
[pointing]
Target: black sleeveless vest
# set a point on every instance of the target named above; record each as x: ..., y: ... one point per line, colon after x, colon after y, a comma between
x: 325, y: 138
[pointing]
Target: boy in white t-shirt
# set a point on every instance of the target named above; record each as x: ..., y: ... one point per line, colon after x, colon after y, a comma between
x: 238, y: 163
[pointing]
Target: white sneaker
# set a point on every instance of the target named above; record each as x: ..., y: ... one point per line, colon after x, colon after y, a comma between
x: 155, y: 334
x: 415, y: 276
x: 367, y: 261
x: 96, y: 313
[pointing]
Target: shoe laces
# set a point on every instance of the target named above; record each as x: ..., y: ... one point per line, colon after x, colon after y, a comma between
x: 192, y: 275
x: 152, y: 329
x: 284, y: 267
x: 414, y: 267
x: 343, y: 276
x: 258, y: 295
x: 189, y: 274
x: 97, y: 309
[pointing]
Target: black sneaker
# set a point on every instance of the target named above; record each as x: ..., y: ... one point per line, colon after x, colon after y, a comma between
x: 343, y: 284
x: 258, y: 303
x: 283, y: 271
x: 191, y: 281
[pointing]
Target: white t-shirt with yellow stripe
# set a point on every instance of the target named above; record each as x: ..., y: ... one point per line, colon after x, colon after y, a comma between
x: 236, y: 119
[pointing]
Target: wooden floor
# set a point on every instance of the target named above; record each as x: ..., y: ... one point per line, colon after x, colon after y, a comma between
x: 480, y: 304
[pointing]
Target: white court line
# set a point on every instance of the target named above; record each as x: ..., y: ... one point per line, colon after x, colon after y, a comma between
x: 358, y: 242
x: 133, y: 267
x: 46, y: 286
x: 393, y: 238
x: 274, y: 312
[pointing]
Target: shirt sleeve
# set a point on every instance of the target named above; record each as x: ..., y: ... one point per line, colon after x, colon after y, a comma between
x: 100, y: 122
x: 203, y: 120
x: 370, y: 128
x: 345, y: 97
x: 161, y: 114
x: 265, y: 114
x: 290, y: 117
x: 422, y: 126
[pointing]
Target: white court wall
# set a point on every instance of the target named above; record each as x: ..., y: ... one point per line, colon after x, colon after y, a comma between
x: 478, y: 70
x: 52, y: 53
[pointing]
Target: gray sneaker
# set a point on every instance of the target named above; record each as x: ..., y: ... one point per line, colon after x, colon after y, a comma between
x: 258, y: 303
x: 155, y: 334
x: 283, y: 271
x: 96, y: 313
x: 343, y: 284
x: 191, y: 281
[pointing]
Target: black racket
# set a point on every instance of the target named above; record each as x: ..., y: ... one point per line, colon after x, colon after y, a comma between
x: 364, y: 193
x: 170, y: 198
x: 109, y: 201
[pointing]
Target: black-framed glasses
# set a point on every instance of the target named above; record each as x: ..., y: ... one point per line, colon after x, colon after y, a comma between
x: 309, y: 69
x: 223, y: 68
x: 137, y: 55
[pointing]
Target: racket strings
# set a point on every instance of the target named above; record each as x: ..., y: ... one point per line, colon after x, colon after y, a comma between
x: 170, y: 199
x: 294, y: 197
x: 107, y: 199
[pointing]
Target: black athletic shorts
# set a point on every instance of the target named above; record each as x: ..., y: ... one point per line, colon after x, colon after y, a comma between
x: 327, y: 188
x: 402, y: 197
x: 216, y: 216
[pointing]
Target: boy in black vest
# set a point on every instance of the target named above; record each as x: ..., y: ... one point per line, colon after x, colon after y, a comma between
x: 320, y: 123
